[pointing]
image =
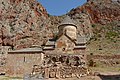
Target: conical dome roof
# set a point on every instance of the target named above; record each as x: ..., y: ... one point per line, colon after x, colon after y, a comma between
x: 67, y: 21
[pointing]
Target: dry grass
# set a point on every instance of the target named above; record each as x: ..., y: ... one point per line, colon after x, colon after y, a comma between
x: 9, y: 78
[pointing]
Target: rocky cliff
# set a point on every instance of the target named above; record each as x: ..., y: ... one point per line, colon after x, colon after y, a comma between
x: 104, y: 16
x: 26, y: 22
x: 21, y: 21
x: 102, y: 11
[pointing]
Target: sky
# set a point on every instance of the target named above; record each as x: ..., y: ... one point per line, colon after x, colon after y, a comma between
x: 60, y: 7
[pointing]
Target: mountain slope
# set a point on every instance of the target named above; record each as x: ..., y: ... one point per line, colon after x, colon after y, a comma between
x: 102, y: 11
x: 105, y: 19
x: 19, y: 21
x: 24, y: 23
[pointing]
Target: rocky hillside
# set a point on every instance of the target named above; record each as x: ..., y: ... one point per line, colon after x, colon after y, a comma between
x: 19, y: 21
x: 101, y: 11
x: 104, y: 16
x: 26, y: 22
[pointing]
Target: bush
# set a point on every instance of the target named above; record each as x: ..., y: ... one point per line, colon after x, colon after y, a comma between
x: 91, y: 53
x: 93, y: 25
x: 91, y: 63
x: 111, y: 34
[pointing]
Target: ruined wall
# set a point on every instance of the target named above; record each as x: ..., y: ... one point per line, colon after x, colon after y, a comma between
x: 61, y: 66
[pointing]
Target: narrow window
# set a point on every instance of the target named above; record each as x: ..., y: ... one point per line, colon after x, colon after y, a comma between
x: 24, y: 59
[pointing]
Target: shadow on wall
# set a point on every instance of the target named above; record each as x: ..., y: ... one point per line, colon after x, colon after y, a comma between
x: 109, y: 77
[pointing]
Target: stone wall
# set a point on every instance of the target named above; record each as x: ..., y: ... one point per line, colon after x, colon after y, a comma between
x: 64, y: 45
x: 61, y: 66
x: 21, y: 64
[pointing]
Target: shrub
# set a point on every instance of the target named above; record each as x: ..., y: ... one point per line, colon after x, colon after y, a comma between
x: 111, y: 35
x: 91, y: 53
x: 93, y: 25
x: 91, y: 63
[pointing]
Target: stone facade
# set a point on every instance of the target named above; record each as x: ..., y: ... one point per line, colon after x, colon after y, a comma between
x: 21, y: 63
x: 67, y: 41
x: 64, y: 45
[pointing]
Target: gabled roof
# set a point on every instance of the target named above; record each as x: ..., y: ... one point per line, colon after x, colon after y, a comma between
x: 81, y: 40
x: 26, y: 50
x: 66, y: 21
x: 65, y: 36
x: 50, y: 43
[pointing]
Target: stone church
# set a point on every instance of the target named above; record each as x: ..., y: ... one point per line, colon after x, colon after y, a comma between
x: 21, y: 62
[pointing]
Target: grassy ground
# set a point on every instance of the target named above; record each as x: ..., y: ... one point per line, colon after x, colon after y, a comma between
x: 9, y: 78
x: 107, y: 70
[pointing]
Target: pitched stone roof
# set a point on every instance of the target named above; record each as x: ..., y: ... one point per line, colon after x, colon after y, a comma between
x: 81, y: 40
x: 67, y: 20
x: 50, y: 42
x: 27, y: 50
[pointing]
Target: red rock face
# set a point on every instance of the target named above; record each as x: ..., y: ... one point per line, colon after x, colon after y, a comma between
x: 21, y: 22
x: 103, y: 11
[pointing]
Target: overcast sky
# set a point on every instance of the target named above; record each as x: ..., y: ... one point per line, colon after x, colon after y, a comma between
x: 60, y: 7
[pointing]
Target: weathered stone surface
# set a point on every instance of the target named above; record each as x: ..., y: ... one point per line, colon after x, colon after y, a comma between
x: 20, y: 20
x: 102, y: 11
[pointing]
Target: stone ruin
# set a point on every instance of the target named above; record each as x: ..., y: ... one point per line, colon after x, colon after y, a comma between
x: 60, y: 66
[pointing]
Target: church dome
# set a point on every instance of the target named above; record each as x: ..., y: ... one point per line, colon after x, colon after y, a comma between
x: 68, y: 27
x: 67, y: 21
